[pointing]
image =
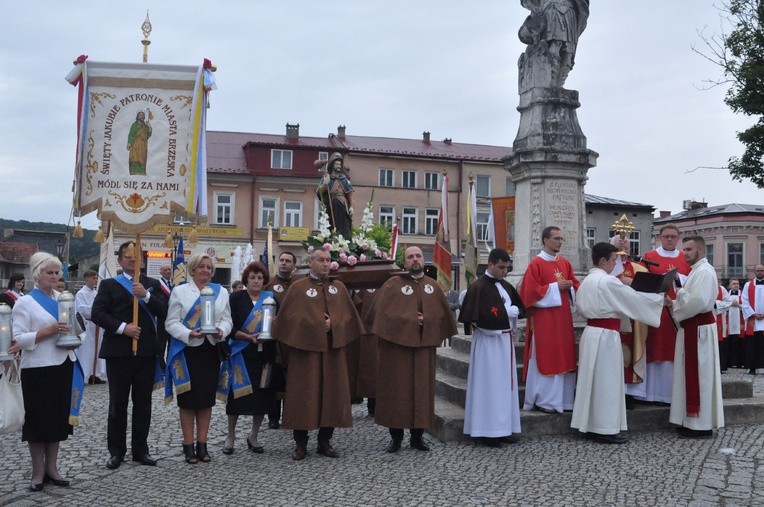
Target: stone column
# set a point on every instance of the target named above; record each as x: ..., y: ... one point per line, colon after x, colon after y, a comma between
x: 548, y: 166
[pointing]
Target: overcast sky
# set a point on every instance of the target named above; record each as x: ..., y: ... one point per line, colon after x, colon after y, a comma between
x: 392, y: 69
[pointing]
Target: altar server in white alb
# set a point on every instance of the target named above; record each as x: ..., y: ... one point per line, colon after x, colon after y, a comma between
x: 93, y: 368
x: 599, y: 409
x: 492, y: 306
x: 696, y: 399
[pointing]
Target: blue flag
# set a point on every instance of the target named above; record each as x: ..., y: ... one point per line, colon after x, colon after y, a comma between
x: 179, y: 268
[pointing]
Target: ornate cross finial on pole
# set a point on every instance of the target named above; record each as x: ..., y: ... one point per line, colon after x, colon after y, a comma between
x: 623, y: 226
x: 146, y: 28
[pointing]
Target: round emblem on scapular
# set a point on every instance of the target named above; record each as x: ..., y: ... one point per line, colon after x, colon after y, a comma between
x: 407, y: 290
x: 332, y: 289
x: 278, y: 287
x: 311, y: 293
x: 428, y: 288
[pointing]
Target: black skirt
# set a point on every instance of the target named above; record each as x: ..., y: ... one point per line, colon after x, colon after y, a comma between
x: 261, y: 401
x: 203, y: 368
x: 47, y: 392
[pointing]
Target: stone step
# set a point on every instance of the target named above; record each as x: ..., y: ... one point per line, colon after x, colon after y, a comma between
x: 449, y: 419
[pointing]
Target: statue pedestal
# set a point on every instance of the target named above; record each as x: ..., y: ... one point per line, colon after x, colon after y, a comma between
x: 548, y: 166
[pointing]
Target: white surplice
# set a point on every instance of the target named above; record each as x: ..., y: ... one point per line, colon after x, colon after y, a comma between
x: 599, y: 406
x: 696, y: 297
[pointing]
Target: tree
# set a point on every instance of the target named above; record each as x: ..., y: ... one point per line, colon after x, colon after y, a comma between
x: 740, y: 54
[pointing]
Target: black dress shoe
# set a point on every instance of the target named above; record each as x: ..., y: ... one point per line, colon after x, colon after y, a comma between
x: 97, y: 380
x: 145, y: 459
x: 257, y: 449
x: 35, y: 487
x: 490, y: 442
x: 47, y: 479
x: 419, y: 444
x: 688, y: 433
x: 190, y: 454
x: 114, y: 462
x: 509, y: 439
x: 227, y: 450
x: 609, y: 439
x: 394, y: 445
x: 202, y: 453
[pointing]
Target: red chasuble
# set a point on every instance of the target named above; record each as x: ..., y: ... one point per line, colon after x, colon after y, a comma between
x: 661, y: 341
x: 550, y: 330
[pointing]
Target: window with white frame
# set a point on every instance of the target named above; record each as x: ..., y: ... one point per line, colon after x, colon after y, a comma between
x: 387, y: 215
x: 431, y: 181
x: 510, y: 187
x: 761, y: 253
x: 710, y: 253
x: 409, y: 179
x: 431, y: 221
x: 591, y: 233
x: 481, y: 226
x: 223, y: 208
x: 292, y: 214
x: 483, y: 186
x: 410, y: 217
x: 268, y: 211
x: 735, y: 266
x: 386, y: 178
x: 281, y: 159
x: 323, y: 155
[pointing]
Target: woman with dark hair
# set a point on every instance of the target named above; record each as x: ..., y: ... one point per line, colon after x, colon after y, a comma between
x: 192, y: 362
x: 15, y: 290
x: 47, y: 373
x: 249, y: 355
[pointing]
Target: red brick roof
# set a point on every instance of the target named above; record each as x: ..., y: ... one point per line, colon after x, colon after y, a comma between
x: 17, y: 253
x: 225, y: 154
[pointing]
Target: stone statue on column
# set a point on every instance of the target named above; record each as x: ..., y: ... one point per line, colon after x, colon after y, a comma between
x: 550, y: 158
x: 551, y: 33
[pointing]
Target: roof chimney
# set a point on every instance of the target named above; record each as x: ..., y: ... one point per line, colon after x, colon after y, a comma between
x: 664, y: 214
x: 426, y: 137
x: 447, y: 141
x: 341, y: 131
x: 292, y: 131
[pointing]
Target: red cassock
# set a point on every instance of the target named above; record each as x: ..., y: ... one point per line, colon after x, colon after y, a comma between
x: 661, y: 341
x: 550, y: 330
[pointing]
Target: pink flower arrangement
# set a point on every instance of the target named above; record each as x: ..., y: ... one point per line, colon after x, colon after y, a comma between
x: 327, y: 247
x: 334, y: 266
x: 352, y: 260
x: 343, y: 257
x: 378, y: 252
x: 362, y: 257
x: 310, y: 249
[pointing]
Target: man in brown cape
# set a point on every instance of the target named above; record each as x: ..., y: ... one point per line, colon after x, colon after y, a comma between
x: 316, y: 321
x: 411, y: 317
x: 279, y: 285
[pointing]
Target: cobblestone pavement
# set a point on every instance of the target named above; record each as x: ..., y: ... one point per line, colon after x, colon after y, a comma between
x: 652, y: 469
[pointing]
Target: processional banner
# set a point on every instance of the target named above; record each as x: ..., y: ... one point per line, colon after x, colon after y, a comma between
x: 504, y: 222
x: 140, y: 141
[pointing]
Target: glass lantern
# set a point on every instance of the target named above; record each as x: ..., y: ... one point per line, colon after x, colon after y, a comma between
x: 67, y: 315
x: 207, y: 296
x: 269, y: 311
x: 6, y: 333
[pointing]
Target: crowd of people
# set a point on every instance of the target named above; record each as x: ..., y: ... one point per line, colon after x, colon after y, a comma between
x: 332, y: 346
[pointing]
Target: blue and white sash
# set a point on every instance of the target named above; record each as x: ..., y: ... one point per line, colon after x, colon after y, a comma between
x: 177, y: 368
x: 233, y: 373
x: 78, y: 378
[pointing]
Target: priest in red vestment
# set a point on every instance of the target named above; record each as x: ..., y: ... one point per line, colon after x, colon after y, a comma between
x: 662, y: 340
x: 549, y: 363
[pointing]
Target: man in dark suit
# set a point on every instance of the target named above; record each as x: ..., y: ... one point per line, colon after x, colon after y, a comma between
x: 127, y: 370
x: 163, y: 337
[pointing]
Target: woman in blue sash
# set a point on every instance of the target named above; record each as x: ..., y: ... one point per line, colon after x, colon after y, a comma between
x: 245, y: 397
x: 192, y: 362
x: 46, y: 371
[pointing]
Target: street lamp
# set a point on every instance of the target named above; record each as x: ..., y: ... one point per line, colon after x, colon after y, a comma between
x: 59, y: 246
